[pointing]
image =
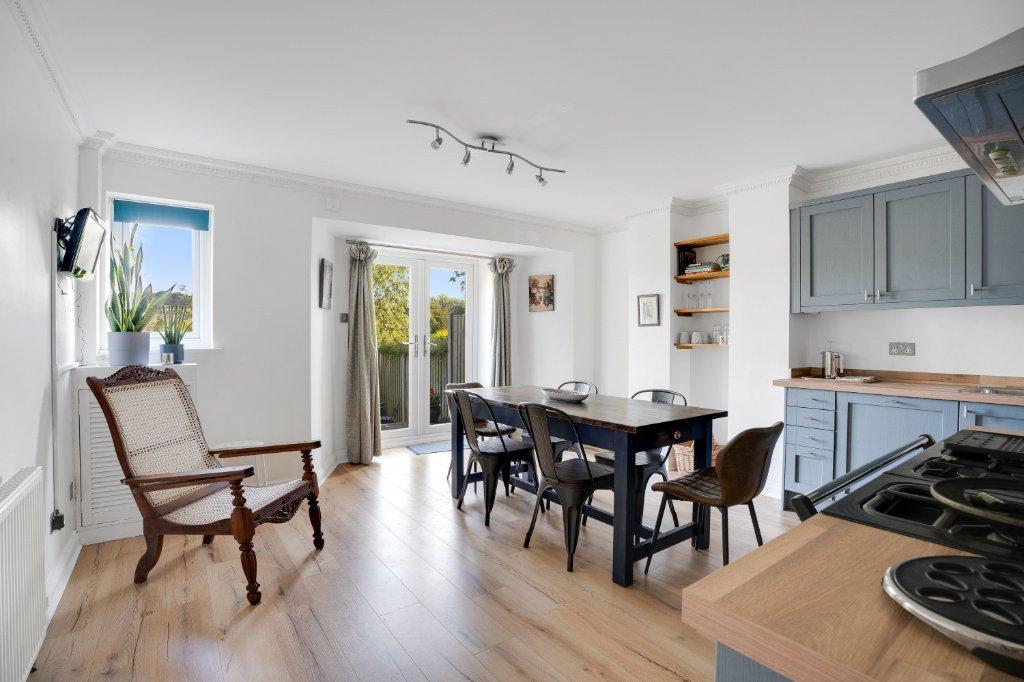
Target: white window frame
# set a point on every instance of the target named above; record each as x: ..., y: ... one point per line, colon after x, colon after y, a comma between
x: 201, y: 337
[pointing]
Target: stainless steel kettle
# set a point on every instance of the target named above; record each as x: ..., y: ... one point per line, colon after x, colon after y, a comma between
x: 831, y: 363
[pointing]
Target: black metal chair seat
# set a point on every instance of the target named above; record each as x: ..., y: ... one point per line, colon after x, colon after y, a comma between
x: 489, y: 429
x: 506, y: 447
x: 575, y: 471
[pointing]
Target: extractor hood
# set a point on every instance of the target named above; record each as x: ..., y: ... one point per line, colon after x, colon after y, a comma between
x: 977, y: 103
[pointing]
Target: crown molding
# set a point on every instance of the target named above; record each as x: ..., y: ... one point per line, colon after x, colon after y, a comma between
x: 204, y: 165
x: 906, y: 167
x: 32, y: 28
x: 789, y: 175
x: 100, y: 141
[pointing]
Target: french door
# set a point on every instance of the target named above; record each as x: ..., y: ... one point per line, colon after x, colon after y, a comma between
x: 425, y: 338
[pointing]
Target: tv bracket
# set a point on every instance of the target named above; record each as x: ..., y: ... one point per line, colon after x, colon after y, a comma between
x: 63, y: 227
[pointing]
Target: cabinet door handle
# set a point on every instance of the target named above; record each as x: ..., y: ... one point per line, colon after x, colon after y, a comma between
x: 894, y: 402
x: 867, y: 296
x: 975, y: 289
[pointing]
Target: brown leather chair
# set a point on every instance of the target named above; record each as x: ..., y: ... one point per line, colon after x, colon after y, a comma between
x: 737, y: 478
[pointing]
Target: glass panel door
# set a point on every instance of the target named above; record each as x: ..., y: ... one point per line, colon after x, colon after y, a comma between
x: 447, y: 285
x: 396, y: 343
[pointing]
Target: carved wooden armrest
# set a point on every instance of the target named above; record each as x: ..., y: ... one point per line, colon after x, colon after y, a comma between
x: 183, y: 479
x: 250, y: 450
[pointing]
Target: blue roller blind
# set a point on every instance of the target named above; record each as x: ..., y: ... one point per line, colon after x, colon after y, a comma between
x: 160, y: 215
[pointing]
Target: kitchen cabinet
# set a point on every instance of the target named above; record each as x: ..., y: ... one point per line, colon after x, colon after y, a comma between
x: 995, y: 246
x: 919, y: 241
x: 837, y: 252
x: 984, y: 414
x: 869, y: 426
x: 810, y: 440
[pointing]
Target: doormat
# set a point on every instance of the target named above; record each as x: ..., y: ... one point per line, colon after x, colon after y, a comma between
x: 431, y: 448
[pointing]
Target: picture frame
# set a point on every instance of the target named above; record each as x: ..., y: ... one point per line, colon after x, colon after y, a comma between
x: 326, y: 288
x: 648, y: 310
x: 542, y: 293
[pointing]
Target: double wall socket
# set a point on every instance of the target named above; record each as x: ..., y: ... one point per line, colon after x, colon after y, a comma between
x: 902, y: 348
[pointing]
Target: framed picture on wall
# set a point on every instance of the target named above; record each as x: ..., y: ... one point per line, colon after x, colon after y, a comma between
x: 326, y: 284
x: 542, y: 293
x: 648, y: 310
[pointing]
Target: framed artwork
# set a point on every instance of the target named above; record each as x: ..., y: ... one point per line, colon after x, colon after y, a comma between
x: 542, y: 293
x: 648, y: 310
x: 326, y: 284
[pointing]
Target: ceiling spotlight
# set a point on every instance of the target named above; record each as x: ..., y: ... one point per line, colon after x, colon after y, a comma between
x: 487, y: 143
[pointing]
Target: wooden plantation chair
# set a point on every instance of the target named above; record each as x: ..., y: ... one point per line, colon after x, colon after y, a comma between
x: 175, y: 478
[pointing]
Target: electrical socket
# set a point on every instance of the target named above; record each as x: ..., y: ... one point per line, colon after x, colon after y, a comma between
x: 902, y: 348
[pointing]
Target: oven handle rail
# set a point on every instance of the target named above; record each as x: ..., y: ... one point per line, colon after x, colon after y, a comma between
x: 804, y: 505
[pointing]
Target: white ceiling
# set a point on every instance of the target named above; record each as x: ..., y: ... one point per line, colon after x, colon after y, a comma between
x: 639, y: 101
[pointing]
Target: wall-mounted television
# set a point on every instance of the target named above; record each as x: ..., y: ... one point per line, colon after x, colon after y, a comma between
x: 80, y: 242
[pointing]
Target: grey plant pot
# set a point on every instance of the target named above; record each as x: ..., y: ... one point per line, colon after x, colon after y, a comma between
x: 176, y: 349
x: 128, y: 348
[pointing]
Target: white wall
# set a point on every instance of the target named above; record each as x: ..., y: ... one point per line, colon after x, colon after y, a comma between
x: 38, y: 182
x: 759, y: 312
x: 544, y: 345
x: 613, y: 315
x: 970, y: 340
x: 650, y: 261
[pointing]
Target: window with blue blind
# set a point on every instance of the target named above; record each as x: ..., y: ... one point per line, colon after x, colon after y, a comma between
x: 174, y: 238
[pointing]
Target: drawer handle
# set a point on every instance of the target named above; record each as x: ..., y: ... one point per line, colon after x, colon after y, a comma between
x: 894, y: 402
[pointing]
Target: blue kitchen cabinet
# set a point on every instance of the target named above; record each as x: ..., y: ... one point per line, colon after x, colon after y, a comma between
x: 920, y: 243
x: 837, y: 252
x: 995, y: 247
x: 869, y: 426
x: 810, y: 439
x: 999, y: 416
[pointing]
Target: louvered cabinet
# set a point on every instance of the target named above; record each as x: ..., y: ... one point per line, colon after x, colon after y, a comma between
x: 106, y: 508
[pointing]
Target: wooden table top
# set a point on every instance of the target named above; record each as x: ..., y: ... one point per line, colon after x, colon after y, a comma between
x: 810, y: 605
x: 621, y: 414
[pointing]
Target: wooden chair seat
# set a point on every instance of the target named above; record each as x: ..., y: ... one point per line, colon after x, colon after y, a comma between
x: 269, y: 504
x: 702, y: 487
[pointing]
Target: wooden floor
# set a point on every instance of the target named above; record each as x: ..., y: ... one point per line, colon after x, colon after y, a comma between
x: 406, y: 587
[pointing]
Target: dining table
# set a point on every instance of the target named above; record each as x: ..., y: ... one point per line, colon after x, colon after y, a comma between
x: 619, y: 425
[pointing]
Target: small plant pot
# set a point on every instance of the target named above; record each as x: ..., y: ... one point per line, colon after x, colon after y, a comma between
x: 128, y: 348
x: 176, y: 349
x: 435, y: 414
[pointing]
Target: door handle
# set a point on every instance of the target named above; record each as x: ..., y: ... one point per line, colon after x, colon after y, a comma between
x: 867, y: 296
x: 975, y: 289
x: 415, y: 343
x: 427, y: 343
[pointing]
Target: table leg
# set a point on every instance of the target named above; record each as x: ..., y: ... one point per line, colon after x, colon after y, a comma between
x: 625, y: 511
x: 702, y: 460
x: 458, y: 466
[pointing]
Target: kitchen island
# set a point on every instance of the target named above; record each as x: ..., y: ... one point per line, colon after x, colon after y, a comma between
x: 809, y: 606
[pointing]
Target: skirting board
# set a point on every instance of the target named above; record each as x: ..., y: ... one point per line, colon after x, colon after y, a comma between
x: 58, y: 576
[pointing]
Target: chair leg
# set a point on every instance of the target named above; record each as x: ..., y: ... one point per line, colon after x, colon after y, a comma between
x: 506, y: 475
x: 657, y: 529
x: 207, y: 539
x: 465, y: 483
x: 491, y: 475
x: 671, y: 507
x: 154, y: 545
x: 725, y: 535
x: 753, y: 520
x: 537, y: 506
x: 314, y: 520
x: 590, y: 501
x: 243, y: 528
x: 571, y: 522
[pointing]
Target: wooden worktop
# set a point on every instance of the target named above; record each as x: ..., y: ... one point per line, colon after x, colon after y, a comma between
x: 912, y: 385
x: 810, y: 605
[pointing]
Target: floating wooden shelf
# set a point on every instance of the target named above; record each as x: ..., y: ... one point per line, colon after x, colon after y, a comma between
x: 698, y: 276
x: 697, y: 243
x: 687, y: 312
x: 687, y: 346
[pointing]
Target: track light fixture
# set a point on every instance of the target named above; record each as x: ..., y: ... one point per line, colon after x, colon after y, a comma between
x: 488, y: 143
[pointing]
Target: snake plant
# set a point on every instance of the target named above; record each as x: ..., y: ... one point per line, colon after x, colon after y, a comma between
x: 130, y: 306
x: 175, y: 324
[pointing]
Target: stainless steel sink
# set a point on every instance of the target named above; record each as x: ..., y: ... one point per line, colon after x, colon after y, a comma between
x: 994, y: 390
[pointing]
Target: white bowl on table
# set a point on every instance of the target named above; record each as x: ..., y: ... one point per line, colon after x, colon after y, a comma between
x: 564, y: 396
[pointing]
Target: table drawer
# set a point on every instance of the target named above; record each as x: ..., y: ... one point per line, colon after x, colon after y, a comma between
x: 817, y: 439
x: 813, y: 399
x: 815, y: 419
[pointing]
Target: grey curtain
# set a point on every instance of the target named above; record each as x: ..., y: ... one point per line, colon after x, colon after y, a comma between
x: 362, y: 424
x: 501, y: 322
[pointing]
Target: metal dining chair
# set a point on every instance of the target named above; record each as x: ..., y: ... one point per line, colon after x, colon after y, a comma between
x: 495, y: 456
x: 649, y: 463
x: 484, y: 428
x: 738, y: 476
x: 573, y: 479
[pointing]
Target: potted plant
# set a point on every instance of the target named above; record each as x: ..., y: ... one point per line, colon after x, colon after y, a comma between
x: 176, y: 322
x: 130, y: 307
x: 435, y: 406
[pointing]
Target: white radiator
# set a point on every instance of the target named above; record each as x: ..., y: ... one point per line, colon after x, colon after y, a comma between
x: 22, y: 573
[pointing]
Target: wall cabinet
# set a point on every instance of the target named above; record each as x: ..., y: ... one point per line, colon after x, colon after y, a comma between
x: 939, y: 241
